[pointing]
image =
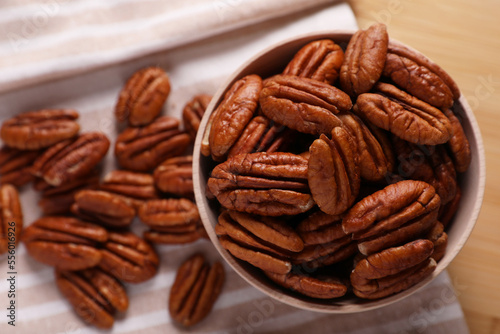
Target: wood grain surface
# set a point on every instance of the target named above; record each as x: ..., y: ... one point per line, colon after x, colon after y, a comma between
x: 463, y: 36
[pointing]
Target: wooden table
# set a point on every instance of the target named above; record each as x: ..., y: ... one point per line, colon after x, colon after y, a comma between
x: 463, y: 36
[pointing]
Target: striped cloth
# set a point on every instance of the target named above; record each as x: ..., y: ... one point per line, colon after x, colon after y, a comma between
x: 92, y: 47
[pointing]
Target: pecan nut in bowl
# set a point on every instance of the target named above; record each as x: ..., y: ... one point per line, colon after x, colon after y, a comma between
x: 318, y: 60
x: 143, y: 96
x: 404, y: 115
x: 141, y: 149
x: 393, y: 269
x: 195, y: 290
x: 16, y: 166
x: 233, y: 114
x: 70, y: 160
x: 315, y: 287
x: 303, y: 104
x: 174, y: 176
x: 34, y: 130
x: 396, y: 214
x: 11, y: 218
x: 270, y: 184
x: 103, y: 208
x: 458, y: 144
x: 364, y: 60
x: 129, y: 258
x: 193, y: 112
x: 420, y: 77
x: 268, y: 246
x: 95, y: 295
x: 64, y: 242
x: 333, y: 171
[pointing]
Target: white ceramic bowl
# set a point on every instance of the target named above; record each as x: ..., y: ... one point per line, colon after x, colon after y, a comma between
x: 272, y: 61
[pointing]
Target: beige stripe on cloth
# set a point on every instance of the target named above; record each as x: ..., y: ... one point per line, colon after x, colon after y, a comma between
x: 193, y: 68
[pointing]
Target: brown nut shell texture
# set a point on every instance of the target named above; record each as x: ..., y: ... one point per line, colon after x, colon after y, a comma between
x: 94, y: 295
x: 70, y: 160
x: 333, y: 171
x: 420, y: 77
x: 364, y: 60
x: 134, y: 186
x: 458, y: 144
x: 195, y: 290
x: 404, y: 115
x: 129, y: 258
x: 11, y: 218
x: 141, y: 149
x: 319, y: 60
x: 233, y: 114
x: 270, y: 184
x: 175, y: 176
x: 391, y: 216
x: 143, y: 96
x: 393, y: 270
x: 64, y: 242
x: 34, y: 130
x: 303, y: 104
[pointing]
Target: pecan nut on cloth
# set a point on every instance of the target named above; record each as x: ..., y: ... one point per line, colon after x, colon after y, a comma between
x: 128, y: 257
x: 95, y: 295
x: 71, y: 159
x: 33, y: 130
x: 141, y: 149
x: 11, y: 218
x: 143, y: 96
x: 65, y: 242
x: 195, y: 290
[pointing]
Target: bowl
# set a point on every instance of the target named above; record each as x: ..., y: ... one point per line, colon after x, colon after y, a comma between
x: 271, y: 61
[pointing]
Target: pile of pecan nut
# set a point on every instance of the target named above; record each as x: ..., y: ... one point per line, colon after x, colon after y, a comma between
x: 338, y: 175
x: 84, y: 232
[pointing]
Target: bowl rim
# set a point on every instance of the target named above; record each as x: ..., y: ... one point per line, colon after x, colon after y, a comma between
x: 202, y: 201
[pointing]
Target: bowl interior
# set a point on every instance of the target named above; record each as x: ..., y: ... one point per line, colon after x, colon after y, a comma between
x: 272, y: 61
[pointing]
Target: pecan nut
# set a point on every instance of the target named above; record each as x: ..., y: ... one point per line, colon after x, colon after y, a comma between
x: 16, y: 166
x: 34, y: 130
x: 175, y: 176
x: 70, y: 160
x: 458, y: 144
x: 440, y: 240
x: 64, y: 242
x: 170, y: 215
x: 420, y: 77
x: 333, y: 171
x: 430, y: 164
x: 319, y: 60
x: 103, y: 208
x: 143, y: 96
x: 315, y: 287
x: 233, y: 114
x: 404, y: 115
x: 94, y: 295
x: 447, y: 211
x: 391, y: 216
x: 129, y: 258
x: 393, y: 270
x: 136, y: 187
x: 376, y: 158
x: 364, y: 60
x: 11, y: 217
x: 195, y: 290
x: 57, y: 200
x: 141, y: 149
x: 269, y: 184
x: 262, y: 135
x: 193, y: 112
x: 303, y: 104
